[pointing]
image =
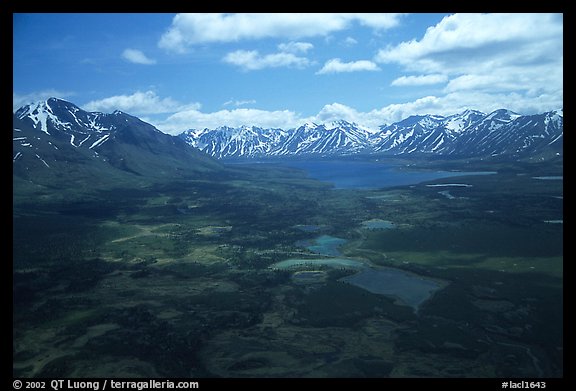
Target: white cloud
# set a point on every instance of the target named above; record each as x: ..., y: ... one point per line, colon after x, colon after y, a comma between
x: 419, y: 80
x: 463, y: 40
x: 487, y: 59
x: 195, y: 119
x: 181, y: 117
x: 375, y: 118
x: 285, y: 119
x: 499, y: 47
x: 451, y: 103
x: 376, y: 21
x: 33, y: 97
x: 193, y: 29
x: 234, y: 102
x: 448, y: 104
x: 335, y: 65
x: 349, y: 41
x: 137, y: 57
x: 295, y: 47
x: 250, y: 60
x: 138, y: 103
x: 456, y: 102
x: 534, y: 81
x: 338, y: 111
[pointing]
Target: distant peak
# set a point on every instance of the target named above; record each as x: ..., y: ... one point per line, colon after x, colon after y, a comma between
x: 340, y: 122
x: 42, y: 105
x: 55, y: 100
x: 503, y: 114
x: 309, y: 125
x: 343, y: 124
x: 471, y: 112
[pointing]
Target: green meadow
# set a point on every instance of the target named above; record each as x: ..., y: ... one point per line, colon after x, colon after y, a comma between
x: 174, y: 278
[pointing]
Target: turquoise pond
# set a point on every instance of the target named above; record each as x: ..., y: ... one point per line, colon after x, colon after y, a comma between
x: 409, y: 288
x: 323, y: 245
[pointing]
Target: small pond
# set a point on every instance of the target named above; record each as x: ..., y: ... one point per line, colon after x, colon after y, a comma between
x: 409, y: 288
x: 323, y: 245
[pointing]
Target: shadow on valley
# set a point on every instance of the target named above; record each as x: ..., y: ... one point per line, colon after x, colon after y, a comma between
x: 175, y: 278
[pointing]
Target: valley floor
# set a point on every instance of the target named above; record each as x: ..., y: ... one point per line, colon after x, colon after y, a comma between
x: 174, y: 279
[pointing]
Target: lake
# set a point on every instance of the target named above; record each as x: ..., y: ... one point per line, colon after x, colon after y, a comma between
x: 351, y: 174
x: 324, y: 245
x: 409, y: 288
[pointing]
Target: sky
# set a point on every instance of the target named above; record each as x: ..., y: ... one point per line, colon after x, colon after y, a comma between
x: 196, y: 71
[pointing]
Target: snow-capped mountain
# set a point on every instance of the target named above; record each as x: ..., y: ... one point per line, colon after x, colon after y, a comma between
x: 338, y: 137
x: 457, y: 123
x: 413, y: 134
x: 235, y: 142
x: 506, y: 133
x: 470, y: 133
x: 49, y: 135
x: 341, y: 136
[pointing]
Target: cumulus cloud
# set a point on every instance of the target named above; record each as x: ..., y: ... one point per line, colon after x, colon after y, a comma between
x: 489, y: 61
x: 349, y: 41
x: 235, y: 102
x: 337, y: 111
x: 336, y: 65
x: 137, y: 57
x: 295, y: 47
x: 373, y: 119
x: 451, y: 103
x: 455, y: 102
x: 193, y: 29
x: 500, y: 49
x: 461, y: 40
x: 250, y: 60
x: 448, y: 104
x: 138, y: 103
x: 19, y: 100
x: 419, y: 80
x: 195, y: 119
x: 179, y: 117
x: 285, y: 119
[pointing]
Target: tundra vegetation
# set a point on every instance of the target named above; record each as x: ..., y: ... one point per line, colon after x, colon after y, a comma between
x: 173, y: 278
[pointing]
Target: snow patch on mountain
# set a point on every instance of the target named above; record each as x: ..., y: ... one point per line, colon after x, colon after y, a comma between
x: 470, y: 132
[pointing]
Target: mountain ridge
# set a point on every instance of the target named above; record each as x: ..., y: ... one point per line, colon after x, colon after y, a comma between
x: 51, y: 134
x: 132, y: 145
x: 467, y: 134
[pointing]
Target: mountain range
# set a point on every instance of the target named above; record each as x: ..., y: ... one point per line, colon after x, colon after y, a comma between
x: 467, y: 134
x: 55, y: 140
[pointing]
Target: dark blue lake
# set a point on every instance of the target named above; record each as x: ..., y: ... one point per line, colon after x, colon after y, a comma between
x: 369, y: 175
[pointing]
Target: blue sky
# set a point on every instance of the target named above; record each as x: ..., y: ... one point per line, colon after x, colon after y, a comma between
x: 189, y: 71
